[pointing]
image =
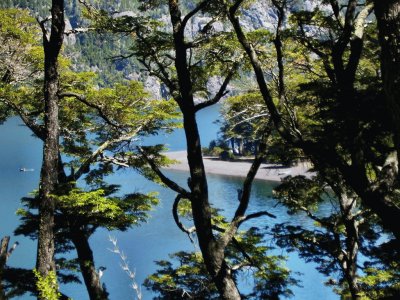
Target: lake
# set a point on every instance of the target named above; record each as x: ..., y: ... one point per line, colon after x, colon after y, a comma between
x: 151, y: 241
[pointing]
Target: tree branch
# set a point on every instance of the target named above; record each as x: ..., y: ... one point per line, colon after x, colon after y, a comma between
x: 43, y: 28
x: 221, y: 92
x: 279, y: 51
x: 290, y: 134
x: 180, y: 225
x: 89, y: 160
x: 234, y: 8
x: 38, y: 130
x: 199, y: 7
x: 168, y: 182
x: 244, y: 198
x: 99, y: 109
x: 356, y: 43
x: 340, y: 46
x: 336, y: 12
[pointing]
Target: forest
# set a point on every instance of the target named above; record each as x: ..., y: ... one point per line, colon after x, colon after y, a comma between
x: 313, y: 82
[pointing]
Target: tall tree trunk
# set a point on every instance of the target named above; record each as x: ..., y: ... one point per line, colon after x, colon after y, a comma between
x: 388, y: 16
x: 86, y: 263
x: 48, y: 175
x: 213, y: 253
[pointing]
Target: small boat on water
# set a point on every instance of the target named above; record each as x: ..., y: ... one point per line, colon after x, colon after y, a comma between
x: 26, y: 170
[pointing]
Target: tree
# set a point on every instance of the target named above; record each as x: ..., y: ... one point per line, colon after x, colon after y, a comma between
x: 339, y: 235
x: 115, y: 118
x: 49, y: 175
x: 187, y: 278
x: 338, y: 46
x: 99, y: 128
x: 184, y: 64
x: 341, y: 137
x: 244, y: 118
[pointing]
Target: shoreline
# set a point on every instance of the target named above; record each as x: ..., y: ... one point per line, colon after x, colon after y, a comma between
x: 238, y: 168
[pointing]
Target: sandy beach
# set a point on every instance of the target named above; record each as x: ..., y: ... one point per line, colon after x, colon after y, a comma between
x: 269, y: 172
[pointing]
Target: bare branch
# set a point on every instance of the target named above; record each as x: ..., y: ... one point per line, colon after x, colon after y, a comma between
x: 336, y: 12
x: 286, y: 132
x: 180, y: 225
x: 340, y: 46
x: 114, y: 161
x: 256, y: 215
x: 244, y: 198
x: 168, y: 182
x: 233, y: 9
x: 43, y: 28
x: 89, y: 160
x: 356, y: 42
x: 360, y: 20
x: 199, y: 7
x: 221, y: 92
x: 161, y: 74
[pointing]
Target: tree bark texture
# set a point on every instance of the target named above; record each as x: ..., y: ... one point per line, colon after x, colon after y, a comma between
x: 349, y: 264
x: 86, y: 263
x: 49, y: 171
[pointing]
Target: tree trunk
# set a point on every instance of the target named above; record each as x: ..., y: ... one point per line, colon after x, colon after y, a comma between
x: 213, y: 253
x: 3, y: 259
x: 352, y: 253
x: 86, y: 263
x: 388, y: 16
x: 349, y: 260
x: 48, y: 175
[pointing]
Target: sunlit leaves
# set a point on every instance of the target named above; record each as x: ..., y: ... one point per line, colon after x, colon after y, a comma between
x: 110, y: 212
x: 184, y: 275
x: 20, y: 38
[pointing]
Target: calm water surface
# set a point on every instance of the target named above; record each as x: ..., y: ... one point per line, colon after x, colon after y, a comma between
x: 151, y: 241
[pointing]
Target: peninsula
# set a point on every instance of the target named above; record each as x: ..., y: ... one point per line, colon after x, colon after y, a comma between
x: 240, y: 167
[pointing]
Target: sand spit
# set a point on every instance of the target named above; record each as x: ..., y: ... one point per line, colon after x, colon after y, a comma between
x: 239, y: 168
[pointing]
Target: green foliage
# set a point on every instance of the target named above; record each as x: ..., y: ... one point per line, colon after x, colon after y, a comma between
x: 188, y: 279
x: 111, y: 212
x: 184, y: 276
x: 47, y: 286
x: 327, y: 241
x: 20, y: 55
x: 300, y: 192
x: 378, y: 283
x: 245, y: 118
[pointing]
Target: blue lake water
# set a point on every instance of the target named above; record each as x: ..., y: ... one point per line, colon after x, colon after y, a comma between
x: 151, y: 241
